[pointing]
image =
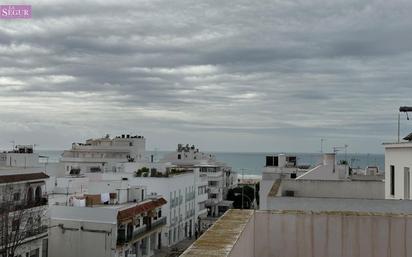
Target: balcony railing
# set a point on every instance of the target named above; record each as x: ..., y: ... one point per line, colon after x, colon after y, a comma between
x: 36, y: 231
x: 190, y: 213
x: 137, y: 233
x: 11, y: 207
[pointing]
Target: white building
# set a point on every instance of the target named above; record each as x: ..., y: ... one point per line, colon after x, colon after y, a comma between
x: 220, y: 176
x: 22, y: 156
x: 184, y: 189
x: 23, y: 202
x: 282, y: 178
x: 186, y: 194
x: 23, y: 196
x: 398, y: 164
x: 277, y: 167
x: 103, y: 154
x: 116, y: 220
x: 329, y: 169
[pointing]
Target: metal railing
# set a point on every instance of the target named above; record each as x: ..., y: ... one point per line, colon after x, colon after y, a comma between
x: 137, y: 233
x: 11, y: 207
x: 36, y: 231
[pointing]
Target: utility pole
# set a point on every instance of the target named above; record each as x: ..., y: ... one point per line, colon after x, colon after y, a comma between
x: 399, y: 127
x: 243, y: 177
x: 321, y: 144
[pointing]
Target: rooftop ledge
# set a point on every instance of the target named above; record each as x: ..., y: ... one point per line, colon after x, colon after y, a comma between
x: 222, y: 236
x: 398, y: 144
x: 302, y: 233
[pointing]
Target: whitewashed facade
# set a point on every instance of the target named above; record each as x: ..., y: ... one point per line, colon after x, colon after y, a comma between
x: 22, y: 197
x: 398, y: 165
x: 220, y: 176
x: 129, y: 224
x: 103, y: 154
x: 186, y: 195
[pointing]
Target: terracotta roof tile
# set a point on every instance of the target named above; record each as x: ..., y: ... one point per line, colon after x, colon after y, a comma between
x: 22, y: 177
x: 129, y: 213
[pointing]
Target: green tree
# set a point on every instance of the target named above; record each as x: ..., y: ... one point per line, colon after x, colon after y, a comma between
x: 235, y: 195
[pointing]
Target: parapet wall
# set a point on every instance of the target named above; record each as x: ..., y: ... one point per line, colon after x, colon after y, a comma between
x: 330, y: 234
x: 306, y: 234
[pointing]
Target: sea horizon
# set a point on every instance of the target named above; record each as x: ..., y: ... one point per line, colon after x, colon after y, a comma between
x: 252, y: 163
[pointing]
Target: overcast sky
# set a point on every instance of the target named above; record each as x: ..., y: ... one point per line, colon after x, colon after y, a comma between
x: 224, y: 75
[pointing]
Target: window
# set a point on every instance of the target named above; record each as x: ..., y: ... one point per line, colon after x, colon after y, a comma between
x: 179, y: 156
x: 213, y: 183
x: 34, y: 253
x: 30, y: 195
x: 44, y: 247
x: 269, y: 160
x: 15, y: 225
x: 272, y: 161
x: 38, y: 221
x: 29, y: 224
x: 38, y: 194
x: 16, y: 196
x: 392, y: 179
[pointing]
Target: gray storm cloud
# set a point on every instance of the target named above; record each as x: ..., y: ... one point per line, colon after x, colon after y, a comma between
x: 225, y: 75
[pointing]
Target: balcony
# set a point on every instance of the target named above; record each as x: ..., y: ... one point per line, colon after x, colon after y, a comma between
x: 174, y: 202
x: 11, y: 207
x: 36, y: 231
x: 212, y: 201
x: 140, y: 232
x: 215, y: 190
x: 202, y: 197
x: 190, y: 213
x: 212, y: 175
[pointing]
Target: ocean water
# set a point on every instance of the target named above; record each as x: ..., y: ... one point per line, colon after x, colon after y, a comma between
x: 252, y: 163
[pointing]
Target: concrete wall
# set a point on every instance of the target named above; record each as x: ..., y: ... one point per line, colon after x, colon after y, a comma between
x: 72, y: 232
x: 324, y: 234
x: 329, y: 235
x: 23, y: 160
x: 244, y: 247
x: 340, y: 205
x: 81, y: 243
x: 266, y: 184
x: 338, y: 189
